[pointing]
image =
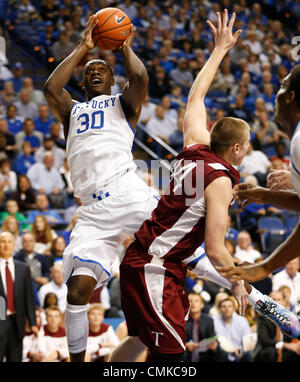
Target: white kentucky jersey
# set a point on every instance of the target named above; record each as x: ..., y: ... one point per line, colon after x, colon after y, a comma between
x: 99, y: 144
x: 295, y: 159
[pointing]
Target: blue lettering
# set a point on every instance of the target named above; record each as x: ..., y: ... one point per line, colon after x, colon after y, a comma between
x: 106, y: 103
x: 94, y: 104
x: 113, y: 100
x: 85, y: 122
x: 100, y: 119
x: 100, y: 105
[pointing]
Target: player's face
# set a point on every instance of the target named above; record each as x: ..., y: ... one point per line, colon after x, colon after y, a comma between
x: 97, y: 79
x: 242, y: 151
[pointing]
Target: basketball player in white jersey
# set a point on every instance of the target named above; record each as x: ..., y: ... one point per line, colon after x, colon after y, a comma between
x: 99, y: 135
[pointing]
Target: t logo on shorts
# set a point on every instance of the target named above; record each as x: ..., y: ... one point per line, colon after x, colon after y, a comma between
x: 157, y: 334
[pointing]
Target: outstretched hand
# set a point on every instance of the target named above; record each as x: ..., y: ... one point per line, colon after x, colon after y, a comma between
x: 87, y: 39
x: 223, y: 36
x: 246, y: 193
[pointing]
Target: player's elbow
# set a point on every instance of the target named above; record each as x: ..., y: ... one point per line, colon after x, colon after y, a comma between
x: 214, y: 253
x: 48, y: 88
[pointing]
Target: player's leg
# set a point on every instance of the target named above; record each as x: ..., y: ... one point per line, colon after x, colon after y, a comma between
x: 287, y: 321
x: 128, y: 350
x: 80, y: 288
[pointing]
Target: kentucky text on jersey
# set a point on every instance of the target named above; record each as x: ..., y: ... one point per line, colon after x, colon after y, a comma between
x: 94, y: 104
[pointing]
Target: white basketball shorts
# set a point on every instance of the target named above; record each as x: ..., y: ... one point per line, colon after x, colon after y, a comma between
x: 101, y: 226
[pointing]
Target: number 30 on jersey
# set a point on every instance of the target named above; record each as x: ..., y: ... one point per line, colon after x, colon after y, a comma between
x: 91, y: 121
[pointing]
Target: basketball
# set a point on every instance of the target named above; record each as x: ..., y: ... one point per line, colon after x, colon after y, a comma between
x: 112, y: 29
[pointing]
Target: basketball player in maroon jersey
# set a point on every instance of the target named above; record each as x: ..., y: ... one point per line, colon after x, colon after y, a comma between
x: 153, y: 269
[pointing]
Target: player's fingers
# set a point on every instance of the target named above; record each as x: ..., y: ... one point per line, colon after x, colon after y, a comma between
x: 219, y: 25
x: 225, y: 18
x: 231, y: 21
x: 212, y: 27
x: 237, y: 33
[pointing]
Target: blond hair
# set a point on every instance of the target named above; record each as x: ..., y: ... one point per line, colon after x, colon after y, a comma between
x: 226, y: 132
x: 96, y: 306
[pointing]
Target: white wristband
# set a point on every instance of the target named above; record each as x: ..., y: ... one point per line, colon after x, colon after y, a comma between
x: 279, y: 345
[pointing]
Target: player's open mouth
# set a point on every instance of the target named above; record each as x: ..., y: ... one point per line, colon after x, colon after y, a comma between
x: 96, y: 81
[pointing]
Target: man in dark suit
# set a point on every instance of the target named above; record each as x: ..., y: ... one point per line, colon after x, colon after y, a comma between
x: 198, y: 327
x: 40, y: 272
x: 16, y: 289
x: 270, y: 348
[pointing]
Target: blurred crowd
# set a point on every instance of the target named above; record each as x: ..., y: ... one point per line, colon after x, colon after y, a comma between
x: 37, y: 204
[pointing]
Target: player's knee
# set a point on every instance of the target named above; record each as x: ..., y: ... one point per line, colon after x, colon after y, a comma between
x: 77, y: 296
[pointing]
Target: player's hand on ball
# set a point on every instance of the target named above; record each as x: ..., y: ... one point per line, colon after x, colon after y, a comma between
x: 128, y: 42
x: 87, y: 39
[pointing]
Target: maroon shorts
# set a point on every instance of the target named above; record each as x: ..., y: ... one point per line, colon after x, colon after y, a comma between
x: 153, y: 301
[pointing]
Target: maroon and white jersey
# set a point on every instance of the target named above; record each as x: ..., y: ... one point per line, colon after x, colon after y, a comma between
x: 177, y: 226
x: 97, y: 344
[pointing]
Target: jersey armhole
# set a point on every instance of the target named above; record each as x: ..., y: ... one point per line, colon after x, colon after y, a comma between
x: 123, y: 108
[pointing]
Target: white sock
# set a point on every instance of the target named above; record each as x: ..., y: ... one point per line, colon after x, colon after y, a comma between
x: 77, y: 327
x: 254, y: 296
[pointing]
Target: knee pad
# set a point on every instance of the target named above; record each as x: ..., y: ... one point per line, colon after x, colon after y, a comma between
x: 77, y: 327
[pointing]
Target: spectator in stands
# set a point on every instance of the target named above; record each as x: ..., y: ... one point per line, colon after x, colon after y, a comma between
x: 42, y: 207
x: 36, y: 95
x: 231, y: 232
x: 148, y: 110
x: 8, y: 95
x: 255, y: 163
x: 286, y: 298
x: 289, y: 276
x: 57, y: 249
x: 47, y: 38
x: 24, y: 195
x: 227, y: 77
x: 54, y: 341
x: 159, y: 84
x: 29, y: 134
x: 44, y: 235
x: 237, y: 108
x: 40, y: 271
x: 269, y: 345
x: 25, y: 107
x: 102, y: 338
x: 177, y: 99
x: 62, y: 48
x: 233, y: 327
x: 56, y: 134
x: 8, y: 177
x: 43, y: 122
x: 24, y: 160
x: 73, y: 34
x: 31, y: 351
x: 49, y: 11
x: 15, y: 123
x: 169, y: 113
x: 10, y: 224
x: 238, y: 52
x: 9, y: 143
x: 45, y: 178
x: 176, y: 138
x: 12, y: 209
x: 26, y: 11
x: 18, y: 78
x: 280, y: 148
x: 265, y: 130
x: 50, y: 146
x: 182, y: 76
x: 57, y: 286
x: 269, y: 97
x: 199, y: 327
x: 244, y: 250
x: 159, y: 125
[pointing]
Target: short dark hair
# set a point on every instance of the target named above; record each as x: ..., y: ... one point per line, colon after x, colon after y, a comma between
x: 97, y: 61
x: 294, y: 83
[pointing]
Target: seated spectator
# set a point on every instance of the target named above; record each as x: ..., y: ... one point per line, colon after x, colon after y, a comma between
x: 8, y: 96
x: 40, y: 271
x: 28, y: 134
x: 57, y: 249
x: 159, y: 125
x: 159, y: 84
x: 233, y: 327
x: 66, y: 177
x: 42, y: 208
x: 11, y: 225
x: 10, y: 148
x: 51, y: 299
x: 237, y: 108
x: 62, y: 47
x: 230, y: 246
x: 14, y: 123
x: 49, y: 11
x: 280, y: 148
x: 199, y: 327
x: 57, y: 286
x: 265, y: 129
x: 24, y: 160
x: 53, y: 338
x: 36, y: 95
x: 227, y: 77
x: 269, y: 344
x: 176, y: 138
x: 255, y: 163
x: 43, y: 235
x: 49, y: 146
x: 57, y: 135
x: 289, y: 276
x: 8, y: 177
x: 286, y: 298
x: 269, y: 97
x: 12, y: 209
x: 214, y: 310
x: 102, y: 338
x: 25, y: 107
x: 45, y: 178
x: 170, y: 113
x: 182, y: 76
x: 43, y: 122
x: 31, y: 351
x: 17, y: 80
x: 24, y: 195
x: 244, y: 250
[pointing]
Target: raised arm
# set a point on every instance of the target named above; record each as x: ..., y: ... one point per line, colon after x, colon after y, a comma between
x: 58, y: 98
x: 194, y: 126
x: 135, y: 89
